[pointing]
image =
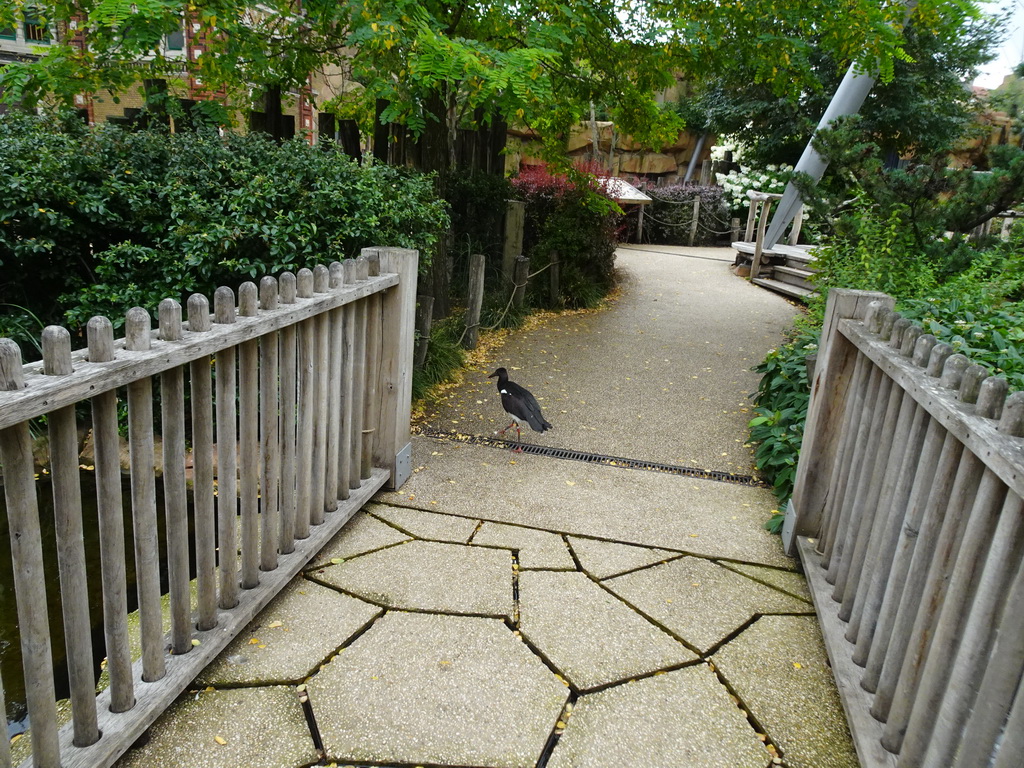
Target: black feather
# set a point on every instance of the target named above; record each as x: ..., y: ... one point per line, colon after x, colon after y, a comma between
x: 519, y: 403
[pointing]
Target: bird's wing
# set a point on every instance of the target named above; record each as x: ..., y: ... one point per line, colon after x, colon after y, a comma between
x: 526, y: 406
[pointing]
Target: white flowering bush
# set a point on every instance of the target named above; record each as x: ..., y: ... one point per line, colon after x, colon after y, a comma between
x: 772, y: 178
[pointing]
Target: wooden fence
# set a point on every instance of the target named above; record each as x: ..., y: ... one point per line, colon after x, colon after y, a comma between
x: 302, y: 393
x: 908, y: 517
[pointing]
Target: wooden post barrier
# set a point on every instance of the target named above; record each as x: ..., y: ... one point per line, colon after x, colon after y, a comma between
x: 5, y: 745
x: 67, y: 503
x: 392, y: 438
x: 477, y: 265
x: 227, y: 454
x: 248, y: 442
x: 908, y: 513
x: 336, y: 321
x: 286, y: 348
x: 520, y: 277
x: 28, y: 566
x: 204, y: 510
x: 138, y: 327
x: 321, y: 383
x: 172, y: 408
x: 515, y: 225
x: 289, y: 408
x: 111, y: 522
x: 270, y: 434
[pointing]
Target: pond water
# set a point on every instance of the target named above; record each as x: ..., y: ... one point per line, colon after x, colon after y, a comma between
x: 10, y: 647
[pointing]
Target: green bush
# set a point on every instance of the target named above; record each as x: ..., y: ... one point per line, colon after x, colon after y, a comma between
x: 94, y: 221
x: 669, y: 217
x: 781, y: 408
x: 571, y: 217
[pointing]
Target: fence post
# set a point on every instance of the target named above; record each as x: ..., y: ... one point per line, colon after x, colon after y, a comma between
x: 27, y: 557
x: 515, y: 224
x: 520, y: 277
x: 67, y: 503
x: 392, y: 448
x: 5, y: 747
x: 834, y: 369
x: 476, y: 299
x: 695, y: 220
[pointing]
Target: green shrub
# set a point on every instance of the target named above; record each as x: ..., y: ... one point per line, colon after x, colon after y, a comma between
x: 781, y: 408
x: 668, y: 218
x: 445, y: 355
x: 94, y: 221
x: 571, y: 217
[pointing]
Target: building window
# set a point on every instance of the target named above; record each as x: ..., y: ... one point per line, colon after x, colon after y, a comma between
x: 8, y: 33
x: 175, y: 41
x: 35, y: 30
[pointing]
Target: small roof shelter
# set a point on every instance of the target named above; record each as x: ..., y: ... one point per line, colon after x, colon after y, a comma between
x: 624, y: 193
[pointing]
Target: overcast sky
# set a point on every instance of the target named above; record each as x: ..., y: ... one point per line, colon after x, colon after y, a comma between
x: 1012, y: 51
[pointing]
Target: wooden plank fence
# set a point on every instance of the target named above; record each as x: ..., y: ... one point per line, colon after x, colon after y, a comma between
x: 308, y: 418
x: 908, y: 516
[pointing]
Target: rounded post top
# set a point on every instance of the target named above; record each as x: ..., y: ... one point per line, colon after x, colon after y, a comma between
x: 286, y: 284
x: 198, y: 313
x: 305, y: 283
x: 321, y: 278
x: 12, y: 376
x: 992, y: 396
x: 170, y: 320
x: 970, y: 387
x: 268, y: 293
x: 337, y: 274
x: 56, y: 351
x: 137, y: 327
x: 1012, y: 420
x: 224, y: 305
x: 100, y: 334
x: 248, y: 299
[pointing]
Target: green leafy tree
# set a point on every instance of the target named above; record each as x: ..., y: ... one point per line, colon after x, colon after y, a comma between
x: 924, y: 107
x: 541, y: 62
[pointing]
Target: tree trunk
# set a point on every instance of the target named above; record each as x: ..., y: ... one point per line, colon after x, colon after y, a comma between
x: 436, y: 147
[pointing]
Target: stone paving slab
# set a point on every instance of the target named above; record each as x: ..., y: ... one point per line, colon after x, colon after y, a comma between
x: 703, y: 517
x: 363, y: 533
x: 603, y: 559
x: 780, y: 669
x: 429, y: 576
x: 291, y: 637
x: 425, y: 524
x: 685, y: 331
x: 591, y: 637
x: 442, y: 690
x: 259, y: 728
x: 537, y: 549
x: 681, y: 719
x: 699, y: 600
x: 787, y: 581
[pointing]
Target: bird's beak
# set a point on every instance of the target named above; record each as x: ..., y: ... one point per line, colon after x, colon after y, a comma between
x: 493, y: 375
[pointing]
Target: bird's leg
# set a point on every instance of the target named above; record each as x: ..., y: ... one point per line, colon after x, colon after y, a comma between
x: 519, y: 439
x: 506, y: 429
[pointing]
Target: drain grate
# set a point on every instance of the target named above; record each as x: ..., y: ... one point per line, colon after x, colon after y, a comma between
x: 596, y: 458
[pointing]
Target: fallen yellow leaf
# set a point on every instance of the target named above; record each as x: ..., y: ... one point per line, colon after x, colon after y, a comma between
x: 220, y: 740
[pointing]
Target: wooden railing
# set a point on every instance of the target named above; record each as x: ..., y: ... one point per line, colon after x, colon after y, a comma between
x: 302, y: 393
x: 908, y: 517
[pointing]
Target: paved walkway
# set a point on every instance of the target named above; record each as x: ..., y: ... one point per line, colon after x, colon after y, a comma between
x: 508, y: 609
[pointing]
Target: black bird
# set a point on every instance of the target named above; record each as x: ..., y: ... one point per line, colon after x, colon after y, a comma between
x: 519, y: 404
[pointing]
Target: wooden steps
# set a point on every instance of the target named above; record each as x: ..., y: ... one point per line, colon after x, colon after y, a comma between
x: 785, y: 269
x: 786, y: 289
